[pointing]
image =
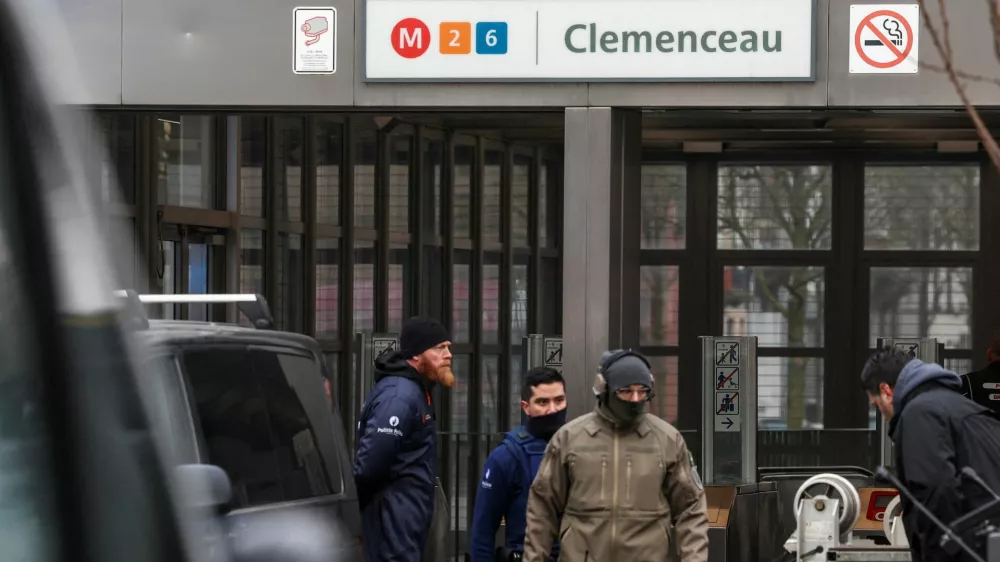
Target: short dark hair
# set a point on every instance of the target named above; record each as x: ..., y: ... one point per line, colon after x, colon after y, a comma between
x: 883, y: 366
x: 538, y: 376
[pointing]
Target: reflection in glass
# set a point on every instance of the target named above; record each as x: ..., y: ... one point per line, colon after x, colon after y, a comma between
x: 659, y: 301
x: 489, y: 415
x: 430, y: 186
x: 519, y: 299
x: 922, y: 302
x: 464, y: 159
x: 491, y: 298
x: 289, y: 310
x: 365, y: 158
x: 167, y: 281
x: 789, y: 393
x: 399, y: 285
x: 781, y: 305
x: 400, y: 155
x: 774, y: 207
x: 492, y: 172
x: 253, y: 157
x: 665, y: 400
x: 664, y: 206
x: 117, y: 166
x: 460, y: 394
x: 329, y: 158
x: 364, y: 285
x: 460, y: 286
x: 520, y: 203
x: 198, y: 272
x: 327, y: 287
x: 516, y: 379
x: 288, y: 184
x: 922, y: 207
x: 186, y: 158
x: 251, y: 264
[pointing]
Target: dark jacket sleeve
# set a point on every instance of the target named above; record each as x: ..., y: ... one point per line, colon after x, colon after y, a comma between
x: 929, y: 471
x: 492, y: 501
x: 389, y: 424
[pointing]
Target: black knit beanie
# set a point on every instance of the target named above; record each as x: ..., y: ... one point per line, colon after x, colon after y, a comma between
x: 419, y: 334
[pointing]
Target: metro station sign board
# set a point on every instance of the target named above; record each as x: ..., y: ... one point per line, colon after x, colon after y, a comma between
x: 590, y: 40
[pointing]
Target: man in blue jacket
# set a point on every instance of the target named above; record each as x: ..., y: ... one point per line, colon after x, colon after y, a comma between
x: 396, y: 453
x: 511, y: 468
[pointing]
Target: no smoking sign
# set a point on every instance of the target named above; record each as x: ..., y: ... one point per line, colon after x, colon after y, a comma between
x: 884, y: 39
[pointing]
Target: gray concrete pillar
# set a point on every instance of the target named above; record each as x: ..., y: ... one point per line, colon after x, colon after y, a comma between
x: 600, y: 242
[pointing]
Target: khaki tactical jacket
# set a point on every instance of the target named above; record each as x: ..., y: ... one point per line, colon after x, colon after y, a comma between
x: 617, y: 491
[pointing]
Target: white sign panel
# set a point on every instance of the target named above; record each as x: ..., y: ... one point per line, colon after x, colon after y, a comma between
x: 727, y: 411
x: 884, y: 38
x: 910, y: 347
x: 727, y: 353
x: 553, y: 352
x: 590, y: 40
x: 315, y: 50
x: 383, y: 345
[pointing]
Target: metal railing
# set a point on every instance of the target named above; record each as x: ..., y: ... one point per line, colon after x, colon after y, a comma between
x: 462, y: 456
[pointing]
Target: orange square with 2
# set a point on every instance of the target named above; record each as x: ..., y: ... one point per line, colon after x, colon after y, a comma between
x: 455, y: 38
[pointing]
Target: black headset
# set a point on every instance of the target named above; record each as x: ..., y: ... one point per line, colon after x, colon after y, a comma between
x: 601, y: 385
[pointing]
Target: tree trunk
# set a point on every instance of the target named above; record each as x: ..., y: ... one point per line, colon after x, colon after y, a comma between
x: 795, y: 395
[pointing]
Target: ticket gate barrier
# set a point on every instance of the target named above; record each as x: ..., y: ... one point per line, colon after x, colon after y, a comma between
x: 928, y: 350
x: 367, y: 347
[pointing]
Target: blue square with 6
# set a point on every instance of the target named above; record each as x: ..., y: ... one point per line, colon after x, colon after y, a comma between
x: 491, y: 38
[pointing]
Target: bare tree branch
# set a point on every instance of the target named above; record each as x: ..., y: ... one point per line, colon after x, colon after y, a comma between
x: 943, y: 49
x: 961, y: 74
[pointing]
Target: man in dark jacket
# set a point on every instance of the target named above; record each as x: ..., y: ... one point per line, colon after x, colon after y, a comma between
x: 511, y: 468
x: 396, y: 453
x: 983, y: 387
x: 936, y: 432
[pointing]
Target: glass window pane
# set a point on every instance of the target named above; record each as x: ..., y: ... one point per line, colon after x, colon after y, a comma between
x: 520, y: 200
x: 430, y: 185
x: 781, y: 305
x: 253, y: 156
x: 399, y: 286
x: 922, y: 207
x: 492, y: 176
x: 664, y: 206
x: 432, y: 283
x: 491, y: 298
x: 922, y: 302
x: 659, y: 301
x: 288, y: 467
x: 790, y: 392
x: 365, y: 158
x: 117, y: 169
x: 329, y: 158
x: 519, y: 299
x: 186, y: 160
x: 400, y: 156
x: 549, y: 205
x: 288, y: 189
x: 665, y: 403
x: 289, y: 311
x: 364, y: 286
x: 327, y: 287
x: 489, y: 416
x: 959, y: 366
x: 198, y: 278
x: 460, y: 285
x: 516, y: 374
x: 252, y: 261
x: 551, y: 297
x: 774, y: 207
x: 464, y: 160
x: 460, y: 395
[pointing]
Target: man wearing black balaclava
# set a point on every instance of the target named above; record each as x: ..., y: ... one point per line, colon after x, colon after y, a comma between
x: 613, y: 481
x: 511, y: 467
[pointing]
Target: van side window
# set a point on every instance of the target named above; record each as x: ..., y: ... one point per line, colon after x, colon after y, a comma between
x: 254, y: 426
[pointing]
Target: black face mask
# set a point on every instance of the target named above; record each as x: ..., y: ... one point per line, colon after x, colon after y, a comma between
x: 544, y: 427
x: 626, y: 411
